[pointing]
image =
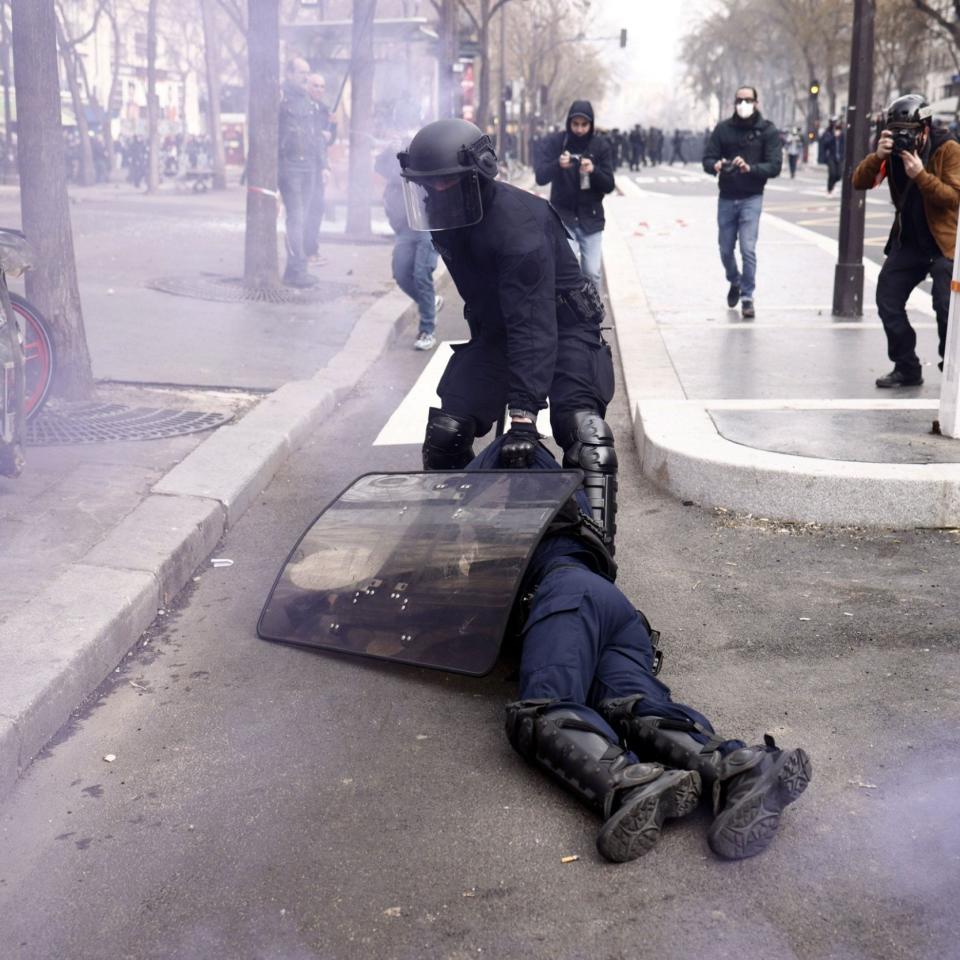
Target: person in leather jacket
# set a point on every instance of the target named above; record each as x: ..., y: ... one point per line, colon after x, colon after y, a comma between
x: 297, y: 167
x: 921, y: 164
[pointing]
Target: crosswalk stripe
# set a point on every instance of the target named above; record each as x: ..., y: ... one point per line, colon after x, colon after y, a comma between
x: 407, y: 422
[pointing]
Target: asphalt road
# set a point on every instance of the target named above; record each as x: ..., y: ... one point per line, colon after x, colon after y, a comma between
x: 270, y: 802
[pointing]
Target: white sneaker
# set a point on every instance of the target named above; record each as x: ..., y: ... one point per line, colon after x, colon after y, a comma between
x: 425, y: 341
x: 437, y: 303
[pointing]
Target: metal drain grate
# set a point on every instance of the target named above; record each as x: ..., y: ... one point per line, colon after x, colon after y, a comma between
x: 96, y: 422
x: 208, y: 286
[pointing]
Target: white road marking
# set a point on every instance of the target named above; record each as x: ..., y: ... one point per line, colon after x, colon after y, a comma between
x: 408, y: 421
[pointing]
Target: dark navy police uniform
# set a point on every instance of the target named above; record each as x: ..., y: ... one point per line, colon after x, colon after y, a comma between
x: 594, y: 716
x: 515, y: 270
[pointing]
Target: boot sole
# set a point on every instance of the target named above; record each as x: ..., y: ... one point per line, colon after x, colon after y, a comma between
x: 747, y: 828
x: 635, y: 827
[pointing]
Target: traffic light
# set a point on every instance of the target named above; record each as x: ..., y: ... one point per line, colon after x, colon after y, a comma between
x: 508, y: 92
x: 623, y: 38
x: 814, y: 88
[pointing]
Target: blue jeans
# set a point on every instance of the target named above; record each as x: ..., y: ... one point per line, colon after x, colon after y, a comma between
x: 587, y: 248
x: 740, y: 218
x: 414, y: 260
x: 296, y: 186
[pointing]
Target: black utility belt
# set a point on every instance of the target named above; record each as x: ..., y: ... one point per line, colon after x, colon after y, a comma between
x: 584, y: 301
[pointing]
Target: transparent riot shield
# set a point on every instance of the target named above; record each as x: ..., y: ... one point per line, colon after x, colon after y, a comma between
x: 419, y: 568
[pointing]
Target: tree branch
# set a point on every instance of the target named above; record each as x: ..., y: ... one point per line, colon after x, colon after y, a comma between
x: 469, y: 12
x: 73, y: 41
x: 952, y: 28
x: 234, y: 13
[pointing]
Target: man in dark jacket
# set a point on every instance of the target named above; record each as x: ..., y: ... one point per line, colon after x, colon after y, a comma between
x: 297, y: 166
x: 744, y: 151
x: 921, y: 164
x: 579, y: 168
x: 316, y: 86
x: 534, y: 321
x: 831, y: 152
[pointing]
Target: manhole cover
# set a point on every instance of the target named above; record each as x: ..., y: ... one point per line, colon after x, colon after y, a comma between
x: 94, y: 422
x: 209, y: 286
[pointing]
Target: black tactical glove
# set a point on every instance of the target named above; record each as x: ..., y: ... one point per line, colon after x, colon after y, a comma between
x: 519, y: 444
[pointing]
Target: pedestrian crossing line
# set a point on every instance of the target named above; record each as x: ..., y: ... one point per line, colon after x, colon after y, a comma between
x: 407, y: 423
x: 669, y: 179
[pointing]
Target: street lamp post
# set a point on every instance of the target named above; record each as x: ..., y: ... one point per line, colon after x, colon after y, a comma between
x: 848, y: 276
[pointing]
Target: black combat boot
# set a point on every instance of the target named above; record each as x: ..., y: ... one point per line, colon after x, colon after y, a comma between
x: 751, y: 785
x: 633, y: 798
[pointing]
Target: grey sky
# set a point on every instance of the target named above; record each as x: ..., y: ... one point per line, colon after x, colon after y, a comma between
x: 648, y: 80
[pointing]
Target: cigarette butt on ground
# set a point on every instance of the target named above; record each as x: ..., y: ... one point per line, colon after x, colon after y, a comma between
x: 569, y: 859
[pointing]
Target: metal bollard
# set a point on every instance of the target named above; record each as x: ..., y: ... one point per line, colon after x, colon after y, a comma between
x: 950, y: 386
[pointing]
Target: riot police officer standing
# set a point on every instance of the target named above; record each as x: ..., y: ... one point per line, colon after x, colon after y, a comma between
x: 534, y: 320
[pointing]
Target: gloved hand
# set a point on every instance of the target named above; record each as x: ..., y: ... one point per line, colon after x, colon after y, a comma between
x: 519, y: 444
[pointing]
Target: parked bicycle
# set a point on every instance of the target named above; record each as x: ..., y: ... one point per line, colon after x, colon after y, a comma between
x: 26, y: 355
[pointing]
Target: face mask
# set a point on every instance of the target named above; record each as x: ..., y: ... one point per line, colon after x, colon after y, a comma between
x: 745, y: 110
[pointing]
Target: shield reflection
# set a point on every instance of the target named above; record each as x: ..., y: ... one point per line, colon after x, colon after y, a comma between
x: 420, y: 568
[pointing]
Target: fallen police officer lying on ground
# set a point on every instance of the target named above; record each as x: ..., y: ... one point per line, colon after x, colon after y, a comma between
x: 593, y: 715
x: 422, y: 568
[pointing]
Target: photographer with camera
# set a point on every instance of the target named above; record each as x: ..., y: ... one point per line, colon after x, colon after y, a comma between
x: 744, y: 151
x: 578, y: 165
x: 921, y: 164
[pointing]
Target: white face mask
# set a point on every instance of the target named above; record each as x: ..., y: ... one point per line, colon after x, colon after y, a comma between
x: 745, y: 110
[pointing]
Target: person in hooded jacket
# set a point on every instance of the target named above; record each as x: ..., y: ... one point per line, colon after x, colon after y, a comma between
x: 743, y: 152
x: 578, y: 165
x: 921, y: 164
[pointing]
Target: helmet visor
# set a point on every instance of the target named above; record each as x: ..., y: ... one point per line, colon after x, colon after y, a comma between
x: 443, y: 203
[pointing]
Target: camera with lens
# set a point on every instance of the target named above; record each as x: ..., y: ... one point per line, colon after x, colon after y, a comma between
x: 905, y: 139
x: 575, y: 159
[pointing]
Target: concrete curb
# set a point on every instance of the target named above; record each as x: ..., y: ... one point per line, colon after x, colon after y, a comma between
x: 59, y: 648
x: 682, y: 452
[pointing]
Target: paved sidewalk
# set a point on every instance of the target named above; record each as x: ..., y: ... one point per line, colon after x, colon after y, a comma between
x: 776, y: 417
x: 99, y: 538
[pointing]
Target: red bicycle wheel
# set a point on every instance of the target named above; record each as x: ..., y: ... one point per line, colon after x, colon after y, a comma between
x: 38, y: 355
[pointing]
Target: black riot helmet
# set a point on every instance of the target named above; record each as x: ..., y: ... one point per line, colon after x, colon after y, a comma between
x: 910, y: 110
x: 441, y: 171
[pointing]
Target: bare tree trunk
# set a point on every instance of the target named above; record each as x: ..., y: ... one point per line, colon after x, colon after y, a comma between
x: 261, y: 271
x: 211, y: 45
x: 483, y: 87
x: 153, y: 119
x: 87, y: 176
x: 52, y: 284
x: 361, y: 118
x: 114, y: 88
x: 7, y: 112
x: 446, y: 55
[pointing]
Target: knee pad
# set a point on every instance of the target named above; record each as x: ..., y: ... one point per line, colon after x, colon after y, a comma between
x: 587, y: 442
x: 448, y: 443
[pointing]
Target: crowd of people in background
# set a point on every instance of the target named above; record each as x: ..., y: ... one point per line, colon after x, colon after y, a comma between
x: 131, y: 154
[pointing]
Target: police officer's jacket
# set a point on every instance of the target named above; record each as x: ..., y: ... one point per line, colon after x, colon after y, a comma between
x: 509, y: 269
x: 756, y: 140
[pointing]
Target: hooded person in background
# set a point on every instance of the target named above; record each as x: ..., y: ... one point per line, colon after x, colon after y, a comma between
x: 578, y: 165
x: 743, y: 152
